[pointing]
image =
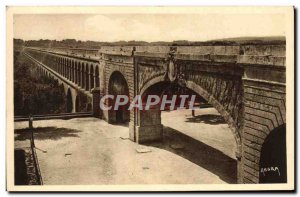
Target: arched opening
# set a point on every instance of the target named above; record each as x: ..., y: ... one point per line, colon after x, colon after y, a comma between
x: 201, y: 136
x: 69, y: 101
x: 97, y: 77
x: 64, y: 67
x: 53, y: 63
x: 56, y: 64
x: 273, y: 167
x: 59, y: 65
x: 81, y: 102
x: 118, y: 86
x: 69, y: 69
x: 72, y: 70
x: 77, y: 104
x: 92, y: 76
x: 87, y: 77
x: 77, y: 73
x: 82, y: 76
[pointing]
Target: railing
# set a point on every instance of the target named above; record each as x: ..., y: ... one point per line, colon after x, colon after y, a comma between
x: 34, y: 155
x: 35, y: 160
x: 30, y: 119
x: 54, y: 116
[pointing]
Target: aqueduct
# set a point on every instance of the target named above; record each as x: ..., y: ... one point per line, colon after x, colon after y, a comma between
x: 245, y: 83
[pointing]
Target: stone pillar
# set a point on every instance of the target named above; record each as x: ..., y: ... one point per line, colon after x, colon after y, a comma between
x: 149, y: 127
x: 96, y: 102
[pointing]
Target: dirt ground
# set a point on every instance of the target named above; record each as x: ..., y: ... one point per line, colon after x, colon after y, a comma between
x: 194, y: 150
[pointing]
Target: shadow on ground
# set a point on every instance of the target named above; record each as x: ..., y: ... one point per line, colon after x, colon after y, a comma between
x: 199, y: 153
x: 45, y: 133
x: 207, y: 119
x: 123, y: 124
x: 21, y: 176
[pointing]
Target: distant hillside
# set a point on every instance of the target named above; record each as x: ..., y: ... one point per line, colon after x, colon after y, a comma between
x: 253, y: 40
x: 72, y: 43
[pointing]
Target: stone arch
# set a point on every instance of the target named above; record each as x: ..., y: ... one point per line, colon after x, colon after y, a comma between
x: 150, y: 83
x: 87, y: 77
x: 117, y: 85
x: 219, y: 107
x: 203, y: 93
x: 157, y: 127
x: 273, y: 154
x: 92, y: 76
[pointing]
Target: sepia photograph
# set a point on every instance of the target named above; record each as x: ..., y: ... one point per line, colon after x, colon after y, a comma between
x: 150, y: 98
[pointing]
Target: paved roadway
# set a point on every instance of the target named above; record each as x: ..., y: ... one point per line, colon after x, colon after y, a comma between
x: 90, y: 151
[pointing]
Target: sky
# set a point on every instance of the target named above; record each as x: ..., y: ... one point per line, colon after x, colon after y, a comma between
x: 146, y: 27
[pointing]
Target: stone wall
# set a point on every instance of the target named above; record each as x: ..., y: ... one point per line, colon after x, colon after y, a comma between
x: 245, y: 83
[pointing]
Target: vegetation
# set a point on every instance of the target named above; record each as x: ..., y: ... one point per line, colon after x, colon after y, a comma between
x: 72, y: 43
x: 35, y: 94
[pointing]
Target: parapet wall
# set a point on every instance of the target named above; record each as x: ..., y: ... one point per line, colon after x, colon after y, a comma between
x: 245, y: 54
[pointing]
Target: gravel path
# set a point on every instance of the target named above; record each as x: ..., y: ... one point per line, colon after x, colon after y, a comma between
x: 91, y: 151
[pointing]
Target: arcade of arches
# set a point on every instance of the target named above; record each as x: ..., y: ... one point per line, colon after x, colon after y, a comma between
x: 244, y: 85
